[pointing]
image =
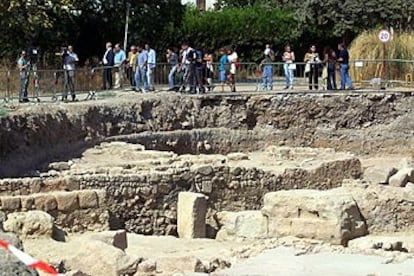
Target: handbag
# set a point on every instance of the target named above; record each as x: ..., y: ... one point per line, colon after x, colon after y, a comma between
x: 292, y: 66
x: 307, y: 68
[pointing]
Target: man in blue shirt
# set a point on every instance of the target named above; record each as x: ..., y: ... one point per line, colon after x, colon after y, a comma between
x: 119, y: 60
x: 343, y: 58
x: 141, y: 71
x: 152, y: 62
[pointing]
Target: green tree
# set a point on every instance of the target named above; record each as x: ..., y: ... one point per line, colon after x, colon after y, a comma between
x: 249, y: 29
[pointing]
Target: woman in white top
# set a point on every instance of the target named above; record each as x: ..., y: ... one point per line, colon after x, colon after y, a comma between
x: 233, y: 60
x: 289, y: 59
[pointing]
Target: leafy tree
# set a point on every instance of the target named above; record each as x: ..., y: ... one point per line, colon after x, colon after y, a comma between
x: 249, y: 29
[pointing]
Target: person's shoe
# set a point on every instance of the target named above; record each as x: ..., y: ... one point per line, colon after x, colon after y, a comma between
x: 351, y: 88
x: 291, y: 87
x: 74, y: 99
x: 26, y: 100
x: 286, y: 87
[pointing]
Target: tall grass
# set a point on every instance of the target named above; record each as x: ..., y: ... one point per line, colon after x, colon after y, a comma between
x: 367, y: 46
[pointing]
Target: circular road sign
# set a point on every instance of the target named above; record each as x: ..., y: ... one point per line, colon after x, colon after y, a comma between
x: 384, y: 36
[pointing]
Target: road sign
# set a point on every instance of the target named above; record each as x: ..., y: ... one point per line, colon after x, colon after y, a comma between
x: 384, y: 36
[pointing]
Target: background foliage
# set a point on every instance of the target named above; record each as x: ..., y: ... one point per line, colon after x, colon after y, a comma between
x: 248, y: 24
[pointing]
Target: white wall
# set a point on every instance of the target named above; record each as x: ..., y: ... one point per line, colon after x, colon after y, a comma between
x: 209, y: 3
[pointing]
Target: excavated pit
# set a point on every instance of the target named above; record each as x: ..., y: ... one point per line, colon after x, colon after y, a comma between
x: 233, y: 149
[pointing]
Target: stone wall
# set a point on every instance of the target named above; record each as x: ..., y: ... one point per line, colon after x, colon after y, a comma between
x: 146, y: 203
x: 75, y: 211
x: 35, y: 136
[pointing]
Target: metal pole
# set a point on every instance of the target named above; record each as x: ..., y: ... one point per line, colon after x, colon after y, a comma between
x: 384, y: 64
x: 126, y: 26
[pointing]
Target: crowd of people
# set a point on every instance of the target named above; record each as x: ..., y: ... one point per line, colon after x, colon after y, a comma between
x: 192, y: 70
x: 315, y: 67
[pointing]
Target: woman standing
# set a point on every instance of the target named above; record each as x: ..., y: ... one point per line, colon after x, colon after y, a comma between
x: 312, y: 58
x: 288, y: 57
x: 233, y: 59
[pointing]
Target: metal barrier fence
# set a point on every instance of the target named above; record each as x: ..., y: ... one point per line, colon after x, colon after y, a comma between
x: 46, y: 84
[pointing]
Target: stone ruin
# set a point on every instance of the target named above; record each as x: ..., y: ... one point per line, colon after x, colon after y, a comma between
x: 267, y: 178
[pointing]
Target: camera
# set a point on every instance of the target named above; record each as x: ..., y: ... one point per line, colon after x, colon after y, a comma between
x: 33, y: 54
x: 64, y: 51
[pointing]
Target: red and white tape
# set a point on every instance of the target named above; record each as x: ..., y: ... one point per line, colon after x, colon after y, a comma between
x: 28, y: 260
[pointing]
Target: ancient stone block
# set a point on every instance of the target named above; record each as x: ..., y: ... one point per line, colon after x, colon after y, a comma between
x: 45, y: 202
x: 10, y: 203
x: 205, y: 170
x: 101, y: 194
x: 67, y: 201
x: 379, y: 175
x: 28, y: 203
x: 401, y: 178
x: 111, y: 261
x: 116, y: 238
x: 87, y: 199
x: 332, y: 216
x: 147, y: 266
x: 191, y: 215
x: 31, y: 223
x: 185, y: 264
x: 246, y: 224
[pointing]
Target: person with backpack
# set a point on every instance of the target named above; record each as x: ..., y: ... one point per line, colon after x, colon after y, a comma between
x: 266, y: 64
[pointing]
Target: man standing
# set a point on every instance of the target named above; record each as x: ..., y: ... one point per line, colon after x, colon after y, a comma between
x: 172, y: 59
x: 119, y: 60
x: 152, y: 62
x: 108, y: 62
x: 132, y: 64
x: 69, y: 59
x: 267, y: 75
x: 343, y: 58
x: 188, y: 59
x: 141, y: 70
x: 24, y: 70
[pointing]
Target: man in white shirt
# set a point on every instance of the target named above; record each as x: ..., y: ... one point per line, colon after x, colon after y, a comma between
x: 151, y: 63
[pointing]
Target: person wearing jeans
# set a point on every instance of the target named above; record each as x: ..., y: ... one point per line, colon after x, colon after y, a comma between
x: 288, y: 57
x: 343, y: 58
x: 267, y: 75
x: 330, y: 62
x: 141, y: 70
x: 152, y: 59
x: 172, y: 59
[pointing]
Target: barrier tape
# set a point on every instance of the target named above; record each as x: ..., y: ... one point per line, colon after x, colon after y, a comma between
x: 28, y: 260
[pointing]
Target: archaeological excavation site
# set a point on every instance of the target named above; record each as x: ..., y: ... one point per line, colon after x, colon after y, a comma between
x: 169, y: 184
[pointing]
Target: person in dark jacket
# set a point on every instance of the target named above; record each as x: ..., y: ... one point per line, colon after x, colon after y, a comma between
x: 108, y: 63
